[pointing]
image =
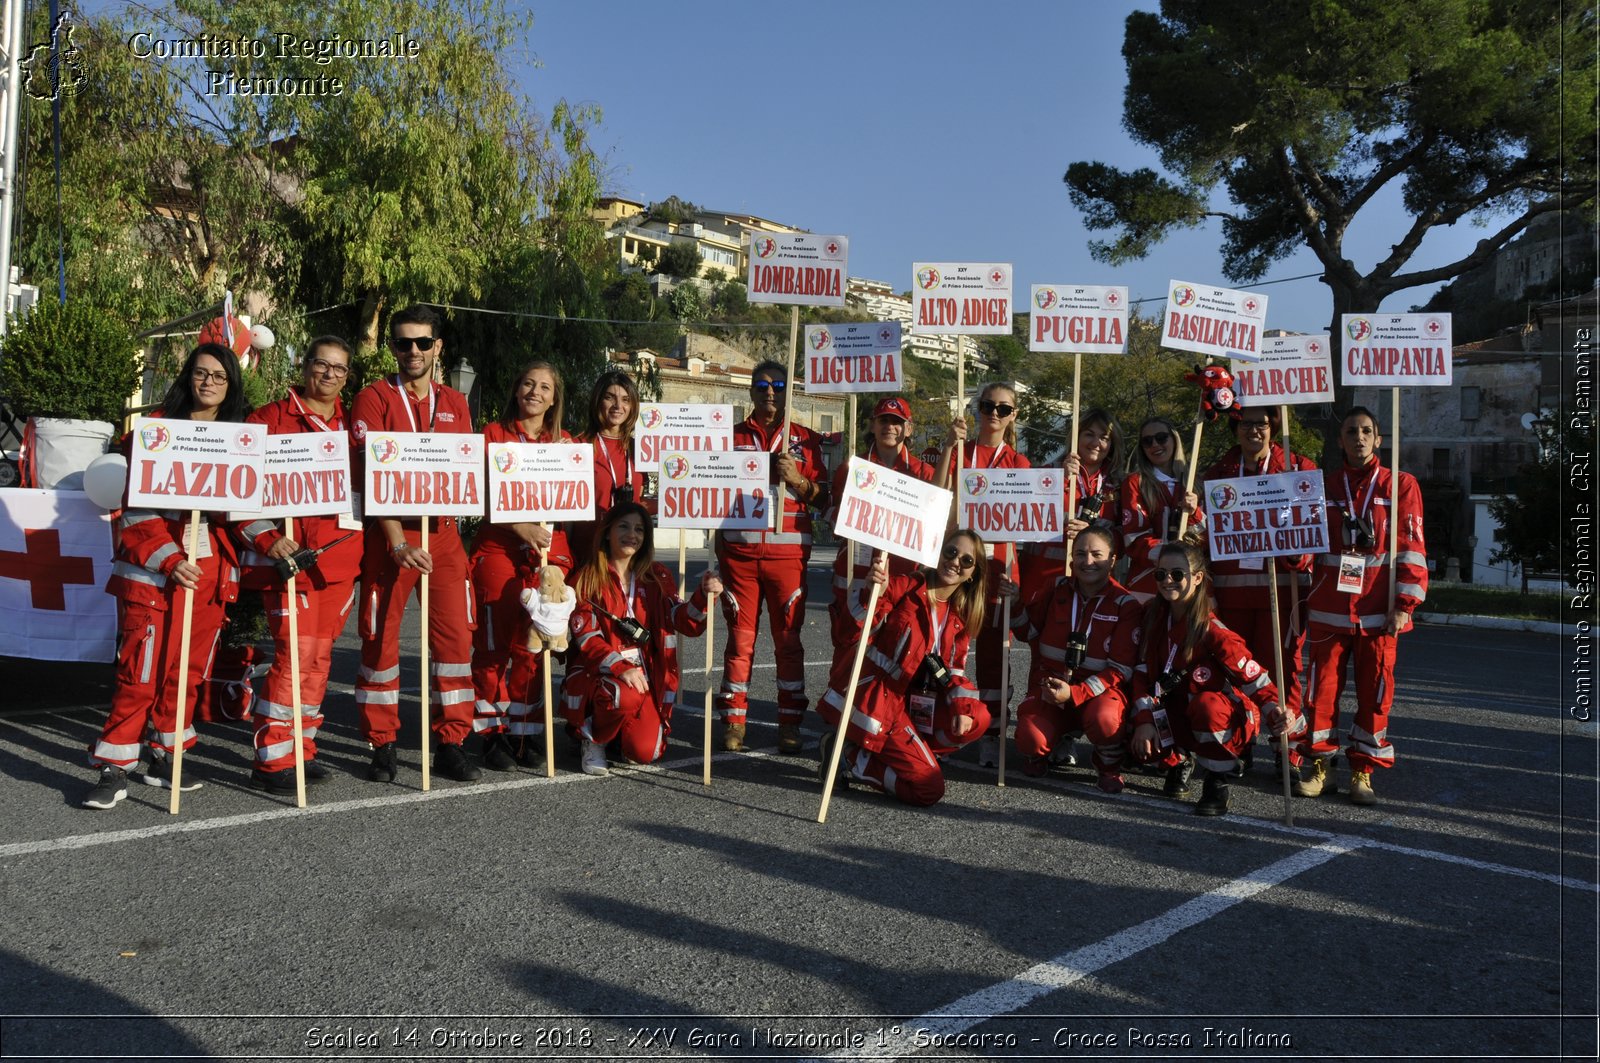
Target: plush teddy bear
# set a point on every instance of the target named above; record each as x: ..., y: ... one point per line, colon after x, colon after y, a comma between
x: 550, y: 607
x: 1216, y: 391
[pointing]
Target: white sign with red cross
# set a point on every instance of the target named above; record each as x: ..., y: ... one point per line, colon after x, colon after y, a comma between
x: 540, y: 482
x: 1012, y: 505
x: 798, y: 269
x: 860, y: 356
x: 1219, y: 322
x: 1395, y: 350
x: 306, y: 474
x: 424, y: 474
x: 891, y: 511
x: 1292, y: 371
x: 715, y: 489
x: 1086, y: 319
x: 1266, y: 516
x: 695, y: 427
x: 961, y: 298
x: 207, y: 465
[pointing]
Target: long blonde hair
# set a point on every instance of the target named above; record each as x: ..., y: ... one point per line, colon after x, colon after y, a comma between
x: 1195, y: 611
x: 1150, y: 493
x: 1011, y: 426
x: 967, y: 602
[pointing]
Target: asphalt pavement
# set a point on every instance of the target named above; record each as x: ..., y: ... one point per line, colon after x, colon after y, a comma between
x: 646, y: 916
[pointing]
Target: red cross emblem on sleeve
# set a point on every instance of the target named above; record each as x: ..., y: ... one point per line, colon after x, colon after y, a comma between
x: 42, y: 566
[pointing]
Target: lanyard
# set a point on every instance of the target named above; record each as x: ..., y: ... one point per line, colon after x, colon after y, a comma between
x: 405, y: 401
x: 994, y: 459
x: 305, y: 411
x: 1349, y: 495
x: 1266, y: 463
x: 938, y: 624
x: 1087, y: 487
x: 1172, y: 652
x: 1077, y: 599
x: 627, y: 462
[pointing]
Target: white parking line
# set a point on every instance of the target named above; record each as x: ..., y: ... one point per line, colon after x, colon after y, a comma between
x: 1004, y: 998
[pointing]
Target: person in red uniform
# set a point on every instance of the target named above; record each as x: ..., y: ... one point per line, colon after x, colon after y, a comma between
x: 1196, y: 686
x: 149, y: 569
x: 324, y: 595
x: 891, y: 427
x: 623, y: 680
x: 769, y: 567
x: 1153, y: 502
x: 995, y: 448
x: 1094, y: 464
x: 1349, y: 612
x: 1244, y: 599
x: 913, y: 702
x: 1085, y: 634
x: 508, y: 710
x: 393, y: 562
x: 613, y: 411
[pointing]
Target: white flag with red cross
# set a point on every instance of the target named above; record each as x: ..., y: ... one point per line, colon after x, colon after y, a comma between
x: 55, y: 558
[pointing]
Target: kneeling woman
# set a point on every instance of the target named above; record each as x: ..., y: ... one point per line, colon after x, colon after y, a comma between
x: 622, y: 676
x: 1197, y: 686
x: 1085, y: 634
x: 914, y: 702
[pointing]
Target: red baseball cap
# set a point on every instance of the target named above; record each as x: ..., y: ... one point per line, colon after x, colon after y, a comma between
x: 892, y: 407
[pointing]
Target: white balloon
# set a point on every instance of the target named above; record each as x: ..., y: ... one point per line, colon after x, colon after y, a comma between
x: 262, y: 338
x: 105, y: 479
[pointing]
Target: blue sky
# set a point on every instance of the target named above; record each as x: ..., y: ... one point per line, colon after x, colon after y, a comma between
x: 922, y: 131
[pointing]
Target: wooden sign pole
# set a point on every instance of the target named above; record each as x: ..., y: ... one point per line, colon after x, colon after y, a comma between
x: 427, y: 735
x: 849, y: 704
x: 1283, y: 692
x: 294, y: 679
x: 179, y: 728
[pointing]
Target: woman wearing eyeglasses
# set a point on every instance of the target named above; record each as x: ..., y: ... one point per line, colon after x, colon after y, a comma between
x: 623, y: 677
x: 323, y: 595
x: 995, y: 448
x: 506, y: 559
x: 1153, y: 502
x: 1244, y: 599
x: 150, y: 567
x: 613, y: 411
x: 1085, y: 637
x: 1196, y: 687
x: 914, y: 702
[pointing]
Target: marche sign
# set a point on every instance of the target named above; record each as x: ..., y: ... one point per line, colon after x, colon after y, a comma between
x: 1081, y: 319
x: 891, y: 511
x: 1396, y: 350
x: 1219, y: 322
x: 196, y: 465
x: 1012, y: 505
x: 961, y: 298
x: 853, y: 357
x: 696, y: 427
x: 723, y: 490
x: 539, y: 483
x: 798, y: 269
x: 1292, y: 371
x: 424, y: 474
x: 1267, y: 516
x: 305, y: 474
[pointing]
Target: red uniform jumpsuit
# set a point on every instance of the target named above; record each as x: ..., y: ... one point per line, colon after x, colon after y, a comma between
x: 613, y: 471
x: 149, y: 545
x: 1144, y: 533
x: 386, y: 406
x: 1215, y: 712
x: 595, y: 701
x: 1002, y: 561
x: 1244, y: 599
x: 848, y: 609
x: 1350, y: 625
x: 759, y: 566
x: 506, y: 675
x: 324, y: 597
x: 900, y: 721
x: 1099, y: 704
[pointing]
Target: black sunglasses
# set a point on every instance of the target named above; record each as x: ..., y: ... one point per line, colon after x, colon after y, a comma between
x: 953, y: 552
x: 1171, y: 575
x: 769, y: 385
x: 1000, y: 409
x: 405, y: 343
x: 1156, y: 439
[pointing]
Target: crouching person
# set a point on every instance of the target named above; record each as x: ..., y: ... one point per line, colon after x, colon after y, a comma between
x: 622, y: 677
x: 914, y: 702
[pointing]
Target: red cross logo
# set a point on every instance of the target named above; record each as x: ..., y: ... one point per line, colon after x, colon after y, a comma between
x: 329, y: 447
x: 245, y: 439
x: 833, y: 247
x: 885, y: 336
x: 45, y: 570
x: 1249, y: 306
x: 1047, y: 483
x: 997, y: 276
x: 577, y: 459
x: 752, y: 465
x: 1313, y: 347
x: 466, y: 450
x: 1112, y: 298
x: 1433, y: 328
x: 716, y: 415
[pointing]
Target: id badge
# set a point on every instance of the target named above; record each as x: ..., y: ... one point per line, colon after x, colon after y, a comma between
x: 202, y: 548
x: 1253, y: 564
x: 921, y: 707
x: 351, y: 521
x: 1352, y: 571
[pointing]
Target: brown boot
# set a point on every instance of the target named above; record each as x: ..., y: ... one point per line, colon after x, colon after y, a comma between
x: 789, y: 740
x: 733, y: 738
x: 1361, y: 788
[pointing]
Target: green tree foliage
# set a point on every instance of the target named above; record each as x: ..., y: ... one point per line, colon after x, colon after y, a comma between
x: 681, y: 260
x: 75, y: 360
x: 1533, y: 532
x: 1474, y: 110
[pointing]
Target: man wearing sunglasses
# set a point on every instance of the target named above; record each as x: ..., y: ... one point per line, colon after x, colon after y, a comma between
x: 394, y: 561
x: 770, y: 566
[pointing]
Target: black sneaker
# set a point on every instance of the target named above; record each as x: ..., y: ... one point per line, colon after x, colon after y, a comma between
x: 1246, y: 761
x: 383, y: 766
x: 452, y: 763
x: 530, y: 751
x: 497, y: 754
x: 1213, y: 795
x: 159, y: 775
x: 1178, y: 777
x: 275, y: 782
x: 317, y: 772
x: 111, y: 787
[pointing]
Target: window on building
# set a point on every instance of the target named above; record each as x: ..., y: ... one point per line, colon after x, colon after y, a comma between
x: 630, y: 246
x: 826, y: 421
x: 1471, y: 403
x: 1441, y: 463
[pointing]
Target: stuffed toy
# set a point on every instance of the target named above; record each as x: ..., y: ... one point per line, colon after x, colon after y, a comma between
x: 549, y: 606
x: 1216, y: 391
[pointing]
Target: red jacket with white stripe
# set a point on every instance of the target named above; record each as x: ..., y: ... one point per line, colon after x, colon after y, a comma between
x: 1236, y: 584
x: 1110, y: 620
x: 1221, y: 664
x: 1144, y: 533
x: 902, y: 639
x: 1329, y: 607
x: 600, y: 652
x: 805, y: 446
x: 499, y: 538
